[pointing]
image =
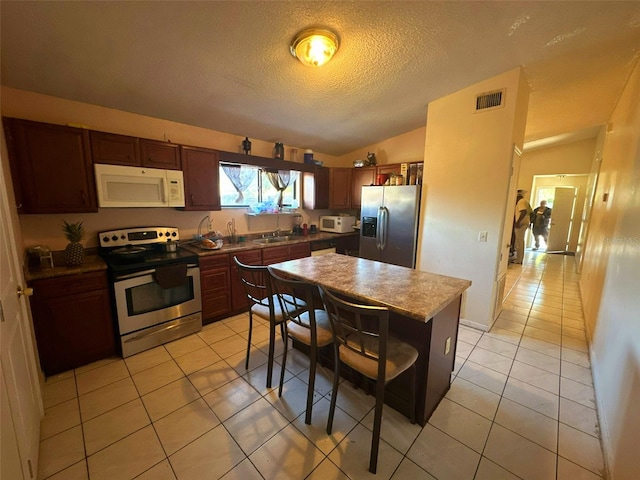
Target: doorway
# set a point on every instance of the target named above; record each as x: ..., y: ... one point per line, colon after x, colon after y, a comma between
x: 565, y: 196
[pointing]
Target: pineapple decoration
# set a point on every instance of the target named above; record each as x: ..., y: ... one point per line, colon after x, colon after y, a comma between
x: 74, y: 253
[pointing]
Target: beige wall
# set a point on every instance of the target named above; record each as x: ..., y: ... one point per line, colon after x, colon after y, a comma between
x: 610, y: 283
x: 45, y: 229
x: 408, y: 147
x: 567, y: 159
x: 466, y: 177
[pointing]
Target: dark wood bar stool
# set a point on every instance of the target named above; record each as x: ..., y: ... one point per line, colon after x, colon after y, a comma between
x: 304, y: 323
x: 362, y: 341
x: 263, y: 303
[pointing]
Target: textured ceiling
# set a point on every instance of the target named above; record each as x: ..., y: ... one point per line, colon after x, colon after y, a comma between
x: 226, y: 65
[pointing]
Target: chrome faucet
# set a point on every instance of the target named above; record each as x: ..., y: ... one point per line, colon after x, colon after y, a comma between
x: 209, y: 226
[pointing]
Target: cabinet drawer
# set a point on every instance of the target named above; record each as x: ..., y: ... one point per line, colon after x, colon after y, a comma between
x: 253, y: 257
x: 69, y: 285
x: 275, y: 254
x: 216, y: 305
x: 214, y: 261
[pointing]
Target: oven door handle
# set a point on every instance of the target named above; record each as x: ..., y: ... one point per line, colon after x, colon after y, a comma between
x: 154, y: 331
x: 145, y: 272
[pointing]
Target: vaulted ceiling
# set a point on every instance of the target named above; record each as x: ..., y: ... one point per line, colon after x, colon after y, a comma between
x: 225, y: 65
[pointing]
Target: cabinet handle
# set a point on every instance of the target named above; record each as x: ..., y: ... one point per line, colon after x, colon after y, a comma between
x: 84, y: 197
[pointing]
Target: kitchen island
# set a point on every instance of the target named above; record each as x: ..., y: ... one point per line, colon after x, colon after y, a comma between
x: 424, y: 312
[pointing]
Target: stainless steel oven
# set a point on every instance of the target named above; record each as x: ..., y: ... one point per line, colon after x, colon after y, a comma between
x: 156, y: 291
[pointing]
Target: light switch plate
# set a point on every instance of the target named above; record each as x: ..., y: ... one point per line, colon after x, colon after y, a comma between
x: 447, y: 346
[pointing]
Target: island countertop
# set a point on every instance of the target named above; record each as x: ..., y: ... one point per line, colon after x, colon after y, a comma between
x: 412, y: 293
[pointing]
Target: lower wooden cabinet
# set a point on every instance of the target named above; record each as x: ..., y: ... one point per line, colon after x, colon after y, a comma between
x: 239, y: 301
x: 215, y: 285
x: 72, y: 320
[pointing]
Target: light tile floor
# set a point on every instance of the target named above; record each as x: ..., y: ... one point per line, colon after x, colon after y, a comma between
x: 521, y: 405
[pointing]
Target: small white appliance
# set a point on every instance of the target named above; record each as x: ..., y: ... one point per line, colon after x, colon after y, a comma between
x: 337, y: 223
x: 122, y: 186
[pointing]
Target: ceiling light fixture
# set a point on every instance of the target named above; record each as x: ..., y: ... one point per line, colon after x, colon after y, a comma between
x: 314, y: 47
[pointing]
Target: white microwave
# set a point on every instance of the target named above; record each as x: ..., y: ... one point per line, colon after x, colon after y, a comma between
x: 337, y: 223
x: 122, y: 186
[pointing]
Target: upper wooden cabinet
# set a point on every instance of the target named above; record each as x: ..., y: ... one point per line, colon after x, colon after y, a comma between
x: 340, y: 187
x: 115, y: 149
x: 201, y: 178
x: 51, y: 167
x: 157, y: 154
x: 315, y: 189
x: 362, y: 176
x: 388, y: 169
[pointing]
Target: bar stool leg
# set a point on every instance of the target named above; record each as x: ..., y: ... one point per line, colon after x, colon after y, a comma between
x: 377, y: 424
x: 246, y: 363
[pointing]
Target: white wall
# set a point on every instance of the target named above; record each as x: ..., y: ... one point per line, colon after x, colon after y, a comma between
x: 465, y: 182
x: 610, y: 283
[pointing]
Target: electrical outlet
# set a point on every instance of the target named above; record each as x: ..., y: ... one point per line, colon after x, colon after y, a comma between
x: 482, y: 236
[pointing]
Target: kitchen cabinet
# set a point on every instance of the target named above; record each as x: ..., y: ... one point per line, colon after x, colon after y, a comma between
x: 72, y: 320
x: 201, y: 178
x: 315, y: 189
x: 239, y: 301
x: 340, y: 187
x: 391, y: 168
x: 115, y: 149
x: 158, y: 154
x: 361, y: 176
x: 51, y: 167
x: 215, y: 285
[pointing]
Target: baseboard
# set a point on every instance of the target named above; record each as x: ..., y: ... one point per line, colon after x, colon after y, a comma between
x: 472, y: 324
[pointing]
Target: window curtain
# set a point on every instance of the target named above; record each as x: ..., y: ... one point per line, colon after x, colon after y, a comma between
x: 280, y: 179
x: 240, y: 177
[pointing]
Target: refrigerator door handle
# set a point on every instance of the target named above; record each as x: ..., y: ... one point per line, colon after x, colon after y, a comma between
x: 383, y: 227
x: 379, y: 228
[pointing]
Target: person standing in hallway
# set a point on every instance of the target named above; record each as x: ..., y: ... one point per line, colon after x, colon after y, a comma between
x: 521, y: 224
x: 540, y: 220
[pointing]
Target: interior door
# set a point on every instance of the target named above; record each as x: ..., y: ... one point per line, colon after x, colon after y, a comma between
x: 20, y: 385
x: 561, y: 218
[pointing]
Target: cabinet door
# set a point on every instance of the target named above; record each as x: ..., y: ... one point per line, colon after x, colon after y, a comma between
x: 315, y: 189
x: 72, y: 330
x: 363, y: 176
x: 115, y: 149
x: 340, y: 187
x: 215, y: 284
x: 239, y: 301
x: 51, y: 167
x: 201, y: 178
x: 157, y: 154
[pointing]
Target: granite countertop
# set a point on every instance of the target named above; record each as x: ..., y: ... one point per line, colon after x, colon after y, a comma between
x: 92, y: 263
x: 249, y: 244
x: 412, y: 293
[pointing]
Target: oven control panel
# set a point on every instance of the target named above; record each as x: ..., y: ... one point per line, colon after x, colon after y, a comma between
x: 138, y: 236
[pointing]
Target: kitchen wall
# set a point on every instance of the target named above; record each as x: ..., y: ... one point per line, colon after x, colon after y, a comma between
x: 610, y: 283
x: 45, y: 229
x: 466, y: 176
x: 408, y: 147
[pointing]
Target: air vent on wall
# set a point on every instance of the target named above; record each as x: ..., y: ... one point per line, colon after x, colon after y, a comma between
x: 489, y: 100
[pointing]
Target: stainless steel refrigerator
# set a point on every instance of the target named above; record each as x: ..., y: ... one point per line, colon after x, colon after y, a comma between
x: 389, y: 224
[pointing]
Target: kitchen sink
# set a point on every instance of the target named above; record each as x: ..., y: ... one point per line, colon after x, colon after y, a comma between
x: 267, y: 240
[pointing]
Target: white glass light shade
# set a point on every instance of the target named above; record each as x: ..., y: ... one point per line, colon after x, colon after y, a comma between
x: 314, y: 47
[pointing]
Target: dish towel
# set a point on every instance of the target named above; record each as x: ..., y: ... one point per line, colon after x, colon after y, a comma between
x: 171, y: 276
